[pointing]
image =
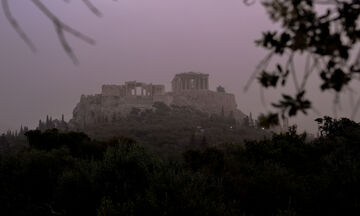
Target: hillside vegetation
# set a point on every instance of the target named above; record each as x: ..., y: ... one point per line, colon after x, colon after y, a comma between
x: 70, y: 174
x: 168, y: 130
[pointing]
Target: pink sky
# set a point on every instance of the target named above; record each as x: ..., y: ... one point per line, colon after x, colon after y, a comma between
x: 143, y: 40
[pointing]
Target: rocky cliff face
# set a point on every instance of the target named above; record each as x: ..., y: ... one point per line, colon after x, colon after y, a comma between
x: 87, y: 111
x: 93, y: 109
x: 100, y: 108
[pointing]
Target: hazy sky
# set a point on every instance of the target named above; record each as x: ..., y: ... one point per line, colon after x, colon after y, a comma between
x: 143, y: 40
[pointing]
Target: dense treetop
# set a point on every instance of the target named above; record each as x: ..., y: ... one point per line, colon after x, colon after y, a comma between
x: 70, y: 174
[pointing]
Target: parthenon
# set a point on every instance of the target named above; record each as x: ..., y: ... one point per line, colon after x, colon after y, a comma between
x: 190, y: 81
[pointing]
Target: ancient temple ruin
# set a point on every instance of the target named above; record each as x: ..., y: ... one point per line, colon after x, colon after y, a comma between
x: 117, y: 101
x: 190, y: 81
x: 133, y: 89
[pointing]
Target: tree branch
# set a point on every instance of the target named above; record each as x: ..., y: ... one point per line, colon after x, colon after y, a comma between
x: 60, y: 27
x: 14, y: 23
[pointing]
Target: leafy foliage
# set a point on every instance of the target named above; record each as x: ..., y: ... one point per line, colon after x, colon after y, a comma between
x: 293, y: 104
x: 268, y: 121
x: 327, y: 39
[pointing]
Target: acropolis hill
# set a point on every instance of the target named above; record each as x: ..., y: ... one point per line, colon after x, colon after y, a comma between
x: 188, y: 89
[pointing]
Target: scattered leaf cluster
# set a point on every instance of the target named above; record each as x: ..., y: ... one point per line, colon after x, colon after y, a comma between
x: 329, y: 40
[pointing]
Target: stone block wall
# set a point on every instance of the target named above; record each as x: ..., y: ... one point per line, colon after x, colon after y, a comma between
x: 206, y: 101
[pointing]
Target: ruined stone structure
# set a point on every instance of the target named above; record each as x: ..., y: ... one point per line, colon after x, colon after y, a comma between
x: 133, y: 89
x: 116, y: 101
x: 190, y: 81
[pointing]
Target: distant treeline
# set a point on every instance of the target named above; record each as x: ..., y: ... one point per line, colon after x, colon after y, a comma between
x: 71, y: 174
x: 169, y: 130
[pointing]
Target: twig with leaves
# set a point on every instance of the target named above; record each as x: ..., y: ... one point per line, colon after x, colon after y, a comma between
x: 329, y: 41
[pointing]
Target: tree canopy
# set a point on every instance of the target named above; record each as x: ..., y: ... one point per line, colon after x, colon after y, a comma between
x: 287, y: 174
x: 327, y: 37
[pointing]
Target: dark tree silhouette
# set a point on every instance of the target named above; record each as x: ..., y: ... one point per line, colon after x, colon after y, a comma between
x: 328, y: 40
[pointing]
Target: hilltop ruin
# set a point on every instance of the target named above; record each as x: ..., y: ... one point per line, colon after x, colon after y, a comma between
x: 188, y: 89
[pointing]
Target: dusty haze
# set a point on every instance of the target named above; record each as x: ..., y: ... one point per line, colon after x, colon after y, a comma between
x: 143, y: 40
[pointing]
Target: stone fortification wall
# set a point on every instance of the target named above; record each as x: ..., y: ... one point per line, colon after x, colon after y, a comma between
x: 113, y: 90
x: 93, y: 109
x: 165, y: 98
x: 206, y: 101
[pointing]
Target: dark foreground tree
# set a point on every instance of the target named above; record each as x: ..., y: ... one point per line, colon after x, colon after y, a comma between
x: 326, y: 34
x: 69, y: 174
